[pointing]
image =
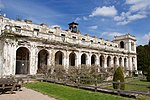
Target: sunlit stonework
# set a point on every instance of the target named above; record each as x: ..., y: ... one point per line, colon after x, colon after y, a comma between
x: 26, y: 47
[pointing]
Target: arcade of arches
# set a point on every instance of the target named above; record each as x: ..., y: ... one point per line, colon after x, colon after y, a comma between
x: 44, y: 57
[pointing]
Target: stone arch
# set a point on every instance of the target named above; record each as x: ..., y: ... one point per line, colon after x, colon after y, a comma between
x: 59, y: 58
x: 22, y: 60
x: 120, y: 61
x: 83, y: 59
x: 108, y: 61
x: 102, y: 61
x: 115, y: 61
x: 93, y: 59
x: 42, y: 60
x: 72, y: 59
x: 121, y: 44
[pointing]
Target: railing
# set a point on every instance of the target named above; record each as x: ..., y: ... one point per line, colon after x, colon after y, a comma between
x: 98, y: 85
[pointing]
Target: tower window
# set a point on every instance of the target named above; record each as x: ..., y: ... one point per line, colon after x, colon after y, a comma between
x: 18, y: 28
x: 121, y: 44
x: 105, y: 43
x: 91, y: 41
x: 132, y: 46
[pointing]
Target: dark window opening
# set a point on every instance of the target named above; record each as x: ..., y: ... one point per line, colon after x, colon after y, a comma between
x: 121, y: 44
x: 93, y: 60
x: 83, y: 59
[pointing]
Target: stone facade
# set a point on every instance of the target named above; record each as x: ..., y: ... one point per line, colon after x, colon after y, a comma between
x: 25, y: 47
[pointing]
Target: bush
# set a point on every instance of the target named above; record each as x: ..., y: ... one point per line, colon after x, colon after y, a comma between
x: 148, y: 74
x: 118, y: 76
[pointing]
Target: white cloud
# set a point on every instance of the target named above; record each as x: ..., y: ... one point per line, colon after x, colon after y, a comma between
x: 142, y: 40
x: 77, y: 19
x: 138, y: 5
x: 85, y: 18
x: 104, y: 11
x: 111, y: 34
x: 56, y: 26
x: 93, y: 27
x: 138, y: 9
x: 136, y: 17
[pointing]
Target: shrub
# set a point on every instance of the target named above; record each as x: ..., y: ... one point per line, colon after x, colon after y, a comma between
x: 118, y: 76
x: 148, y: 74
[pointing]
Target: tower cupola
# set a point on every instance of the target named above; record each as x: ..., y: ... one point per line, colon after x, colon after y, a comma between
x: 73, y: 27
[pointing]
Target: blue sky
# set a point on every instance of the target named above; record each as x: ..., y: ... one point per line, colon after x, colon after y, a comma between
x: 101, y: 18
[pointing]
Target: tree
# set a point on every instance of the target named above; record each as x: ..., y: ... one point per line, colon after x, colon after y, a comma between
x: 148, y: 74
x: 118, y: 76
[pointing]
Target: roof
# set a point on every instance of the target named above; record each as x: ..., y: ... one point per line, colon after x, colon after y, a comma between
x: 73, y: 23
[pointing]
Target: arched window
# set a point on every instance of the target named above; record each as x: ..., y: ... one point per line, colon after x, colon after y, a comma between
x: 22, y: 61
x: 102, y: 61
x: 59, y: 58
x: 121, y: 44
x: 72, y: 59
x: 42, y: 60
x: 83, y: 59
x: 93, y: 59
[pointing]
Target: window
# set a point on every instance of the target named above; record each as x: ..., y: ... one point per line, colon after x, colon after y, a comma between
x: 7, y: 27
x: 63, y: 35
x: 105, y: 43
x: 99, y: 42
x: 132, y: 46
x: 83, y: 39
x: 73, y: 37
x: 36, y: 31
x: 121, y: 44
x: 50, y: 32
x: 91, y: 41
x: 18, y: 28
x: 110, y: 44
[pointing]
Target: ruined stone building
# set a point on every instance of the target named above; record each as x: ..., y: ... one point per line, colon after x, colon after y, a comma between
x: 25, y: 47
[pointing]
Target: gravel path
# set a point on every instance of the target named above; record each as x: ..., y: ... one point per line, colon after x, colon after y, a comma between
x: 25, y: 94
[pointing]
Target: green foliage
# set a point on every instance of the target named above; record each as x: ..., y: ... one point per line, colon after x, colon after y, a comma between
x: 118, y: 76
x: 148, y: 74
x: 68, y: 93
x: 143, y: 58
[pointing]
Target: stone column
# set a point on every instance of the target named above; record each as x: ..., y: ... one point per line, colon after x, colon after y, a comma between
x: 49, y: 58
x: 122, y: 63
x: 88, y: 59
x: 117, y: 61
x: 135, y: 63
x: 33, y: 60
x: 66, y: 60
x: 97, y: 61
x: 105, y: 61
x: 52, y: 57
x: 130, y: 63
x: 78, y: 59
x: 111, y: 61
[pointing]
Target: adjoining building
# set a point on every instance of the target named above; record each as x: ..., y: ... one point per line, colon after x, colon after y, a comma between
x: 26, y: 47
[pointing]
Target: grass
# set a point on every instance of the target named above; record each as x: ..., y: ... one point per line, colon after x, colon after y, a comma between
x: 138, y: 88
x: 68, y: 93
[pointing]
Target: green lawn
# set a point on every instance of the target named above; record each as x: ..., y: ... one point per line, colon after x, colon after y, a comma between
x: 68, y: 93
x: 138, y: 88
